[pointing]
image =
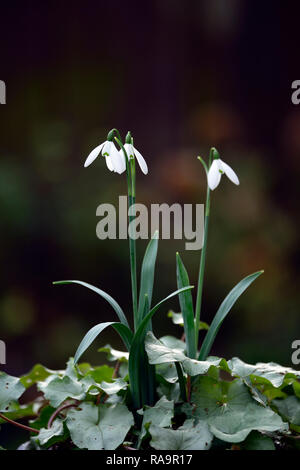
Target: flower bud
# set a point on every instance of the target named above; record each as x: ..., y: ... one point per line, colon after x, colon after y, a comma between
x: 110, y: 135
x: 128, y: 139
x: 215, y: 153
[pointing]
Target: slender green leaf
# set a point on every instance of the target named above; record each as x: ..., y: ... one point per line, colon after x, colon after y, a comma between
x: 187, y: 309
x: 222, y: 312
x: 124, y: 332
x: 103, y: 294
x: 147, y: 275
x: 138, y: 380
x: 181, y: 381
x: 135, y: 349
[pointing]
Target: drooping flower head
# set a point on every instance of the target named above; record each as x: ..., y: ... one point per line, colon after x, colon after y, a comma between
x: 217, y: 169
x: 132, y: 152
x: 114, y: 160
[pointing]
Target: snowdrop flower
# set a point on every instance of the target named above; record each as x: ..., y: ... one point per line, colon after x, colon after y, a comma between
x: 114, y: 160
x: 217, y: 169
x: 133, y: 152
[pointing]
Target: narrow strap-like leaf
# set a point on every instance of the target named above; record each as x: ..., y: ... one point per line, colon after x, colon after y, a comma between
x: 222, y: 312
x: 103, y: 294
x: 138, y: 340
x: 91, y: 335
x: 147, y: 275
x: 187, y: 309
x: 135, y: 367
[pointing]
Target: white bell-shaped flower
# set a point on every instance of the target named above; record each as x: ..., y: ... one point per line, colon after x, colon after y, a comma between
x: 217, y: 169
x: 114, y: 160
x: 133, y: 152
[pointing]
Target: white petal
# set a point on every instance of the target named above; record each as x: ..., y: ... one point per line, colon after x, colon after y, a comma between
x: 214, y: 175
x: 107, y: 147
x: 229, y: 172
x: 109, y: 163
x: 122, y: 156
x: 117, y: 161
x: 129, y: 150
x: 141, y: 161
x: 93, y: 155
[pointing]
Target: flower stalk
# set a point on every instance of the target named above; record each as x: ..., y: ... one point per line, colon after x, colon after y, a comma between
x: 203, y: 253
x: 131, y: 185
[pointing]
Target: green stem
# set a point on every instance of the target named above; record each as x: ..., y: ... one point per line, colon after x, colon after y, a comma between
x: 130, y: 171
x: 202, y: 262
x: 181, y: 381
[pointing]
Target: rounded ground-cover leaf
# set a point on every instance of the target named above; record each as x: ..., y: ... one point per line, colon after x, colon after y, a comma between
x: 160, y: 414
x: 50, y: 436
x: 167, y: 373
x: 159, y: 353
x: 230, y: 411
x: 11, y: 389
x: 43, y: 418
x: 100, y: 374
x: 271, y: 372
x: 114, y: 354
x: 37, y: 374
x: 256, y: 441
x: 111, y: 388
x: 177, y: 319
x: 18, y: 411
x: 58, y: 389
x: 101, y: 427
x: 289, y: 408
x: 187, y: 437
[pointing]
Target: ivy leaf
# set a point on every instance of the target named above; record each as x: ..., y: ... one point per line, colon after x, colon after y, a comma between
x: 262, y: 372
x: 173, y: 343
x: 43, y: 418
x: 160, y: 414
x: 18, y: 411
x: 11, y: 389
x: 58, y: 389
x: 37, y: 374
x: 114, y: 354
x: 230, y: 411
x: 113, y: 387
x: 51, y: 435
x: 167, y: 373
x: 289, y: 408
x: 187, y: 437
x: 101, y: 373
x: 177, y: 319
x: 100, y: 427
x: 158, y: 353
x: 256, y: 441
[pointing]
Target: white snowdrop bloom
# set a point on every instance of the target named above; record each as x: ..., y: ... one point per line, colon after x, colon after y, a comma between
x: 133, y: 152
x: 114, y: 161
x: 217, y: 169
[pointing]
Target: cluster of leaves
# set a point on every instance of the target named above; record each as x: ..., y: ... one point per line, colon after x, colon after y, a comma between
x: 162, y: 393
x: 229, y: 404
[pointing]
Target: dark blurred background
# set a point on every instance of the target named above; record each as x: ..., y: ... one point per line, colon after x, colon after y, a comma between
x: 182, y: 76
